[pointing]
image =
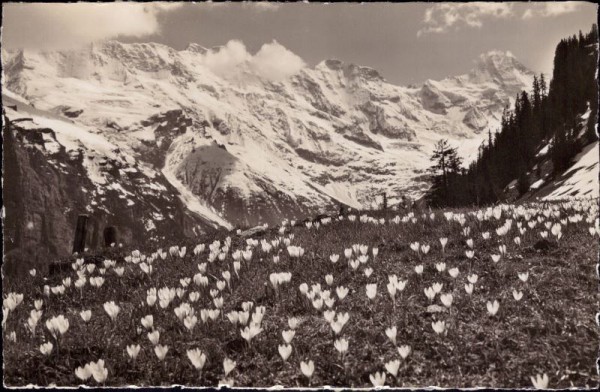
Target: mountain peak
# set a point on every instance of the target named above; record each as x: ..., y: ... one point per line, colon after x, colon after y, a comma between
x: 499, y: 66
x: 350, y: 70
x: 194, y: 47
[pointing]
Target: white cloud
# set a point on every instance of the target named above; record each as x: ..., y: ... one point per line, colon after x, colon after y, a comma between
x: 227, y: 59
x: 272, y: 62
x: 275, y: 62
x: 444, y: 17
x: 546, y: 10
x: 64, y: 26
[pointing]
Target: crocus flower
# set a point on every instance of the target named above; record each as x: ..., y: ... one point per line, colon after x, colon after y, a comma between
x: 83, y: 373
x: 469, y: 288
x: 148, y: 321
x: 443, y: 242
x: 540, y: 382
x: 99, y: 372
x: 341, y: 292
x: 190, y: 322
x: 438, y: 326
x: 517, y: 295
x: 377, y: 379
x: 57, y: 325
x: 288, y: 335
x: 371, y: 290
x: 391, y: 333
x: 160, y: 351
x: 524, y: 276
x: 446, y: 299
x: 392, y: 290
x: 251, y: 331
x: 429, y: 293
x: 414, y: 246
x: 303, y: 288
x: 307, y: 368
x: 197, y: 358
x: 329, y: 315
x: 492, y: 307
x: 285, y: 351
x: 86, y: 315
x: 228, y: 366
x: 404, y: 351
x: 133, y: 351
x: 112, y: 310
x: 153, y: 337
x: 46, y: 348
x: 293, y: 322
x: 392, y: 367
x: 341, y: 345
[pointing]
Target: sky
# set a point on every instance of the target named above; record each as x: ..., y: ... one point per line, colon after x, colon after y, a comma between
x: 406, y: 42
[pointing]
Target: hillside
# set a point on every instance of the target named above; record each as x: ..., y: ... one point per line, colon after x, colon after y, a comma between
x: 452, y: 298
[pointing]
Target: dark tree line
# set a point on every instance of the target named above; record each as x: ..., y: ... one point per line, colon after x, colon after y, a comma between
x: 548, y: 115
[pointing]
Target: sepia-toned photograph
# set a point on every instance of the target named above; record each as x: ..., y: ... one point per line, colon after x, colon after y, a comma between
x: 300, y: 195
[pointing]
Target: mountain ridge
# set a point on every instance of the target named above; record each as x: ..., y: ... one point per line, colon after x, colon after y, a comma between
x: 243, y: 147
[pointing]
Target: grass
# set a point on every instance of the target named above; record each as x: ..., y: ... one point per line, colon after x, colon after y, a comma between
x: 550, y: 330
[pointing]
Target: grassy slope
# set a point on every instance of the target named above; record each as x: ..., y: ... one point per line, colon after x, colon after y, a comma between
x: 551, y: 330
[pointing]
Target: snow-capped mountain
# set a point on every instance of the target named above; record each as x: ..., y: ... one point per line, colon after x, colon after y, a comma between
x: 248, y: 144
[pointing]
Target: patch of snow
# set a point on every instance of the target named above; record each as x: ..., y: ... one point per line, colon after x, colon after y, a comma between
x: 537, y: 184
x: 192, y: 202
x: 544, y: 150
x: 14, y: 96
x: 581, y: 178
x: 50, y: 144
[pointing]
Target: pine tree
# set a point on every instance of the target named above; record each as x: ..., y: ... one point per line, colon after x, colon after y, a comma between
x: 543, y: 87
x: 446, y: 166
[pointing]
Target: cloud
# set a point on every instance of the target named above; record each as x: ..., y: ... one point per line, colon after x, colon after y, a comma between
x: 272, y: 62
x: 444, y: 17
x: 66, y: 26
x: 226, y: 60
x: 547, y: 10
x: 275, y: 62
